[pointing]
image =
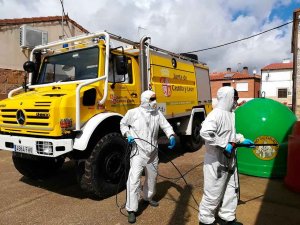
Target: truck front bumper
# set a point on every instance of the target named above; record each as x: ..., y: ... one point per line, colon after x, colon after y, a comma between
x: 36, y: 146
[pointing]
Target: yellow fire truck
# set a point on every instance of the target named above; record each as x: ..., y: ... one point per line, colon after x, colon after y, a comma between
x: 78, y: 89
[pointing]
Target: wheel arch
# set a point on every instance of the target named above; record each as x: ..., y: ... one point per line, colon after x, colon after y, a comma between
x: 99, y: 125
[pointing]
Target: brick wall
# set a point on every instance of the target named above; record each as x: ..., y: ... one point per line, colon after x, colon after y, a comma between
x: 9, y: 80
x: 257, y: 91
x: 251, y: 93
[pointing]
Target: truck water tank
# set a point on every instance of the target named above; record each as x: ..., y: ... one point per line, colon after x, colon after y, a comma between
x: 264, y: 121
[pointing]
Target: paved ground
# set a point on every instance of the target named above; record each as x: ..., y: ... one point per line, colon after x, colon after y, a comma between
x: 60, y: 201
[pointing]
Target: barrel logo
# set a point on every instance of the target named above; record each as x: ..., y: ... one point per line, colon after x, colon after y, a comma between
x: 266, y: 152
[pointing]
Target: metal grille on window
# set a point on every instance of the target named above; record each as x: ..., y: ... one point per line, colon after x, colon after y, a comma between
x: 282, y: 93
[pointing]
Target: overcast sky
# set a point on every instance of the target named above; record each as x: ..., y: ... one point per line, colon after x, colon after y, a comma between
x: 183, y: 25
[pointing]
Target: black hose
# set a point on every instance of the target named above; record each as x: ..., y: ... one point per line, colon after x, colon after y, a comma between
x: 177, y: 178
x: 171, y: 178
x: 129, y: 146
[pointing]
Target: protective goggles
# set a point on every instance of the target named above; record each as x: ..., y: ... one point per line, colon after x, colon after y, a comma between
x: 152, y: 99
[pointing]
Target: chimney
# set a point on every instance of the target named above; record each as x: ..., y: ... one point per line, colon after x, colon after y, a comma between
x: 228, y: 69
x: 245, y: 70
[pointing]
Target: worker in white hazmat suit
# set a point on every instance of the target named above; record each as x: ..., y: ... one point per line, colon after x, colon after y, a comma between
x: 141, y: 125
x: 219, y: 170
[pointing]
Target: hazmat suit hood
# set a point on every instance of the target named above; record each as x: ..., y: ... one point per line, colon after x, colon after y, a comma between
x: 145, y: 101
x: 225, y: 97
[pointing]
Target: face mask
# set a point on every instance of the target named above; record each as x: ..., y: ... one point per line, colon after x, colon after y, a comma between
x: 153, y: 105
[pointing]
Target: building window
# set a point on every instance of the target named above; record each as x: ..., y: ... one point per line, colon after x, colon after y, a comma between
x: 226, y: 84
x: 282, y: 92
x: 242, y: 86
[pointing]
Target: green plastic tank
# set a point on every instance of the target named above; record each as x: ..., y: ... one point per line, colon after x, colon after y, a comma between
x: 264, y: 121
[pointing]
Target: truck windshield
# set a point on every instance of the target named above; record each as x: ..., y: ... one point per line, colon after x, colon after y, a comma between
x: 70, y: 66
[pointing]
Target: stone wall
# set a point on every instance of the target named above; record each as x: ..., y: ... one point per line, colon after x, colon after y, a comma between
x: 296, y: 52
x: 297, y: 70
x: 9, y: 80
x: 296, y: 65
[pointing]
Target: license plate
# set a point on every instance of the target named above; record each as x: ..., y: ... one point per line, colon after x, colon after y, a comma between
x: 23, y: 149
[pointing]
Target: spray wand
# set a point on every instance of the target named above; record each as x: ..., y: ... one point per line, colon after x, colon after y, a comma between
x: 250, y: 145
x: 237, y: 145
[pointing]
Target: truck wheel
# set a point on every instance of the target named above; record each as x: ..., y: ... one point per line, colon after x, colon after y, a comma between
x: 104, y: 171
x: 37, y: 168
x: 192, y: 142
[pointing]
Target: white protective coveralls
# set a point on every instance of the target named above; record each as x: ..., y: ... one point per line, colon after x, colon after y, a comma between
x: 143, y: 122
x: 220, y: 173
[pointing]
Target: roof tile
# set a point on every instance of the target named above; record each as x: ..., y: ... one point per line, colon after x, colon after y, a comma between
x: 236, y: 75
x: 19, y: 21
x: 278, y: 66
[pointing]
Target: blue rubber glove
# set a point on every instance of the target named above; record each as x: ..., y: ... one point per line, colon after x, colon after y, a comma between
x: 249, y: 143
x: 130, y: 139
x: 229, y: 148
x: 172, y: 142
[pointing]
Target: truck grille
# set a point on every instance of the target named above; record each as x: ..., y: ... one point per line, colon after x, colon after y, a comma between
x: 32, y: 117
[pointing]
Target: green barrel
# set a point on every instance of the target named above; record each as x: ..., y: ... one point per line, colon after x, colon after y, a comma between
x: 264, y: 121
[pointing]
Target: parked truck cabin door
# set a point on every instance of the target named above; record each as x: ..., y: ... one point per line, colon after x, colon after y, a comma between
x: 124, y: 83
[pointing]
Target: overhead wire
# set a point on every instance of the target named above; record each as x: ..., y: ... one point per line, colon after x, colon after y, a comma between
x: 242, y: 39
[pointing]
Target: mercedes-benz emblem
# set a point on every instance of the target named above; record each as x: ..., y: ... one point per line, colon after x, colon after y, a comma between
x: 20, y: 117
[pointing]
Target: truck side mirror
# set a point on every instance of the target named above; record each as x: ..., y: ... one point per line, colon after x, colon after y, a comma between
x: 121, y: 64
x: 29, y: 66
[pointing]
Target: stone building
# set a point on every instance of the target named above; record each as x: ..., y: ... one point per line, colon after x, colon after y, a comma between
x: 296, y: 62
x: 12, y: 56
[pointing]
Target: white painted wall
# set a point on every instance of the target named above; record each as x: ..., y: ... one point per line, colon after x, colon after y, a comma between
x: 275, y: 79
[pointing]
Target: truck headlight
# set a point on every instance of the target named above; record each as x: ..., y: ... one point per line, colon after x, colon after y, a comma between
x: 44, y: 147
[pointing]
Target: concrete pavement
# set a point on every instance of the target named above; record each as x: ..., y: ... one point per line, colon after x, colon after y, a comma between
x: 59, y: 200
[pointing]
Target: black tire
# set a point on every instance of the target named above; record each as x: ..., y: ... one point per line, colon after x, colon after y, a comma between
x: 194, y: 142
x: 104, y: 171
x: 37, y: 168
